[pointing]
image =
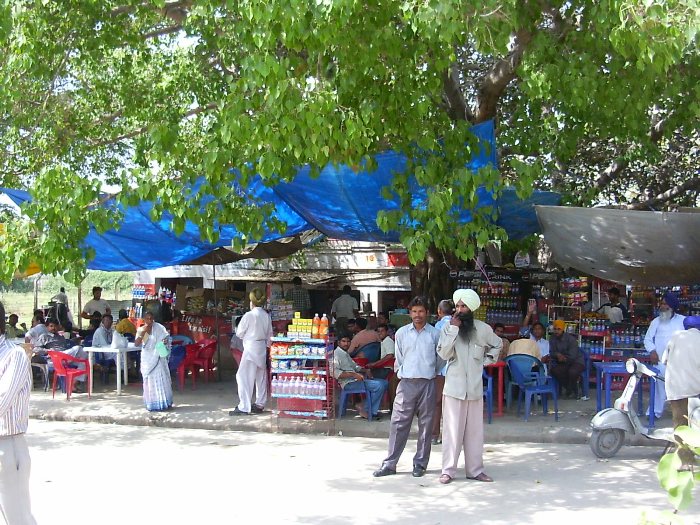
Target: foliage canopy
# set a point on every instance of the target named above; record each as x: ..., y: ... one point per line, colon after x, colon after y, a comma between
x: 597, y: 99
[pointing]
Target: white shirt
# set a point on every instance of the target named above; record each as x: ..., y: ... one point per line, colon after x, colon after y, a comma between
x: 543, y: 344
x: 96, y: 305
x: 102, y: 337
x: 388, y: 347
x: 682, y: 358
x: 255, y: 329
x: 660, y: 333
x: 35, y: 332
x: 15, y: 384
x: 60, y: 297
x: 345, y: 306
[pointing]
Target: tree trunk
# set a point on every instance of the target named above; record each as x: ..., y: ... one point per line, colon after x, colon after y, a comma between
x: 431, y: 279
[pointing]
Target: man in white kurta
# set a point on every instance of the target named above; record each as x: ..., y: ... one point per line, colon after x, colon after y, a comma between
x: 255, y: 329
x: 682, y: 359
x: 656, y: 339
x: 467, y: 344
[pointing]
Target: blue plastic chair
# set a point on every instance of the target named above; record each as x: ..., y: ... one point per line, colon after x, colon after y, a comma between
x: 356, y: 387
x: 532, y: 383
x: 488, y: 395
x: 371, y: 351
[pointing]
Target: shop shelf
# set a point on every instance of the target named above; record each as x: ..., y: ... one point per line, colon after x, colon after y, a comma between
x: 299, y: 340
x: 298, y: 372
x: 295, y: 396
x: 307, y: 357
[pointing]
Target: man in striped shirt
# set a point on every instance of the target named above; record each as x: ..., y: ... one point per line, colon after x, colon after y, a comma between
x: 15, y: 384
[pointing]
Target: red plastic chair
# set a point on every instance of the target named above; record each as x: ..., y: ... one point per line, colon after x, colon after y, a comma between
x: 61, y: 365
x: 205, y: 359
x: 198, y: 355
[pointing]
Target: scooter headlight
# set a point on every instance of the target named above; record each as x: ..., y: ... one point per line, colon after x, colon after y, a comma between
x: 631, y: 366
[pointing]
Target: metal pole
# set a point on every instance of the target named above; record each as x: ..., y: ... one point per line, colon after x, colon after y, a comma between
x: 216, y: 327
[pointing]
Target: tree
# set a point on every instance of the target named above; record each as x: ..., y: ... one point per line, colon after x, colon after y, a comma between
x: 150, y: 96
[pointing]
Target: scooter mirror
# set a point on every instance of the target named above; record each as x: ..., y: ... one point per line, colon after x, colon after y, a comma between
x: 631, y: 366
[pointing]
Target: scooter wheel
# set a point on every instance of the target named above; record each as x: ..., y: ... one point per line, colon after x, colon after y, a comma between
x: 606, y: 443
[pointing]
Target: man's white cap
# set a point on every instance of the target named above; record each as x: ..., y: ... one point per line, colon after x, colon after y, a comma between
x: 468, y: 297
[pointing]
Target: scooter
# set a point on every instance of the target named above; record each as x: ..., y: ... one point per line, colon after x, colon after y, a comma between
x: 610, y: 424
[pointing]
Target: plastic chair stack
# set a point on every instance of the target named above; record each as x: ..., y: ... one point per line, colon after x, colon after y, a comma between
x: 532, y: 383
x: 198, y: 356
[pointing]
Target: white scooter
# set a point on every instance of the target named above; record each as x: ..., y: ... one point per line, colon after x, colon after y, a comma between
x: 610, y: 424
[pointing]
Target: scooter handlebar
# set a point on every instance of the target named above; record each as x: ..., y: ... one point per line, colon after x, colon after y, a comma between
x: 634, y: 366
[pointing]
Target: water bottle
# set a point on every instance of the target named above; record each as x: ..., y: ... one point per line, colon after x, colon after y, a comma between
x: 322, y: 388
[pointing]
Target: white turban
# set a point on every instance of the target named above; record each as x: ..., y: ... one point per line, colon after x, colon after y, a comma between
x: 468, y: 297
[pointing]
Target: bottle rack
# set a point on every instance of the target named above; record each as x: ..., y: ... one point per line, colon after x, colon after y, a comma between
x: 574, y: 291
x: 300, y: 380
x: 500, y: 299
x: 595, y: 336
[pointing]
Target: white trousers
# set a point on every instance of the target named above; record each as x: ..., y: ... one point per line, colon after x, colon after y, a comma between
x: 15, y: 464
x: 659, y: 393
x: 251, y: 375
x: 462, y: 429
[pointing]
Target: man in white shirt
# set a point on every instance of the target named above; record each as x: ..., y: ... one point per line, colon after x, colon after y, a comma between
x: 15, y: 464
x: 96, y: 304
x: 103, y: 338
x: 61, y: 296
x: 682, y: 359
x: 656, y: 339
x: 255, y: 329
x: 344, y: 307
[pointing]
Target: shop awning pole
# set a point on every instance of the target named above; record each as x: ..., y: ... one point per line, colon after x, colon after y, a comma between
x: 216, y: 327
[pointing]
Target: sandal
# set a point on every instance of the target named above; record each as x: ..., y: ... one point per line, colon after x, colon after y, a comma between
x: 445, y: 479
x: 481, y: 477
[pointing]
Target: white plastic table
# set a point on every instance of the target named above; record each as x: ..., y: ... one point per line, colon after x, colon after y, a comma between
x: 120, y: 355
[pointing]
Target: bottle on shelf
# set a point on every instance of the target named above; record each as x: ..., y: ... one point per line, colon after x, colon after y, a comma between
x: 323, y: 327
x: 315, y: 327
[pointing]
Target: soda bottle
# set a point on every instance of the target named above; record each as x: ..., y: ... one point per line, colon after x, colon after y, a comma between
x: 315, y: 327
x: 323, y: 327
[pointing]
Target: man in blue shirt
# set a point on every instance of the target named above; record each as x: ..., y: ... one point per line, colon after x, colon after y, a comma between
x: 416, y: 364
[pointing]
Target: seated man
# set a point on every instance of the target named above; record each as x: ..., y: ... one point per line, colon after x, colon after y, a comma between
x: 52, y: 340
x: 566, y: 362
x: 13, y: 331
x: 125, y: 326
x: 524, y: 346
x: 103, y: 338
x: 384, y: 365
x: 346, y: 371
x: 361, y: 339
x: 499, y: 330
x: 38, y: 328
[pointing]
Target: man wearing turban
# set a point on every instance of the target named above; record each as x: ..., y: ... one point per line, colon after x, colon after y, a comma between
x: 565, y: 358
x: 682, y: 359
x: 467, y: 344
x: 255, y: 329
x: 658, y: 335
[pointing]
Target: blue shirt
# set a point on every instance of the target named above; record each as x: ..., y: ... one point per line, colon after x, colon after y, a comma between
x: 442, y: 322
x: 416, y: 352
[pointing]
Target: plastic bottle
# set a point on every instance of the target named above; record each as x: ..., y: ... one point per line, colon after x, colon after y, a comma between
x: 315, y: 327
x: 321, y: 392
x: 274, y: 386
x: 323, y: 327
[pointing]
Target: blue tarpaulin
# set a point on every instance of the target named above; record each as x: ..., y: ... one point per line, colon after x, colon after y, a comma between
x: 340, y: 203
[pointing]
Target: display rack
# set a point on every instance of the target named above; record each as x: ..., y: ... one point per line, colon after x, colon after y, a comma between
x: 300, y: 377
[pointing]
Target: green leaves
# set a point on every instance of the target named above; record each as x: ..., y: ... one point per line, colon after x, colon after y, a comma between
x: 678, y: 485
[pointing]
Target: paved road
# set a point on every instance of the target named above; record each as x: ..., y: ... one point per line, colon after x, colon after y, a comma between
x: 137, y: 475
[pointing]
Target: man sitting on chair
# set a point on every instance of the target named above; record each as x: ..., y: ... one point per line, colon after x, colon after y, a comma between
x: 361, y: 339
x: 346, y: 371
x: 55, y: 341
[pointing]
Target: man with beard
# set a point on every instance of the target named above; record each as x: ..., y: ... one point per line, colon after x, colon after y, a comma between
x: 416, y: 362
x: 658, y: 335
x: 467, y: 345
x: 566, y: 360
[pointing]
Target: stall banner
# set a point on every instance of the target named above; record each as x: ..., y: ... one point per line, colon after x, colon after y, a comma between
x: 200, y: 327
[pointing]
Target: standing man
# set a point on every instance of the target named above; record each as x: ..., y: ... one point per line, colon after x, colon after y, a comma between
x: 658, y: 335
x: 416, y: 364
x: 344, y: 308
x: 682, y: 359
x: 255, y: 329
x: 566, y: 361
x: 445, y: 310
x: 300, y: 297
x: 468, y: 345
x: 96, y: 304
x: 61, y: 297
x: 614, y: 302
x: 165, y: 310
x: 15, y: 464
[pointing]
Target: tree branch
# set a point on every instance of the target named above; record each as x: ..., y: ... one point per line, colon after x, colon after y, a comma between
x: 163, y: 31
x: 662, y: 198
x: 499, y: 76
x: 143, y: 129
x: 455, y: 104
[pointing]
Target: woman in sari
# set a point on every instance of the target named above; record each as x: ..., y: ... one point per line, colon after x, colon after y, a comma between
x: 157, y: 386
